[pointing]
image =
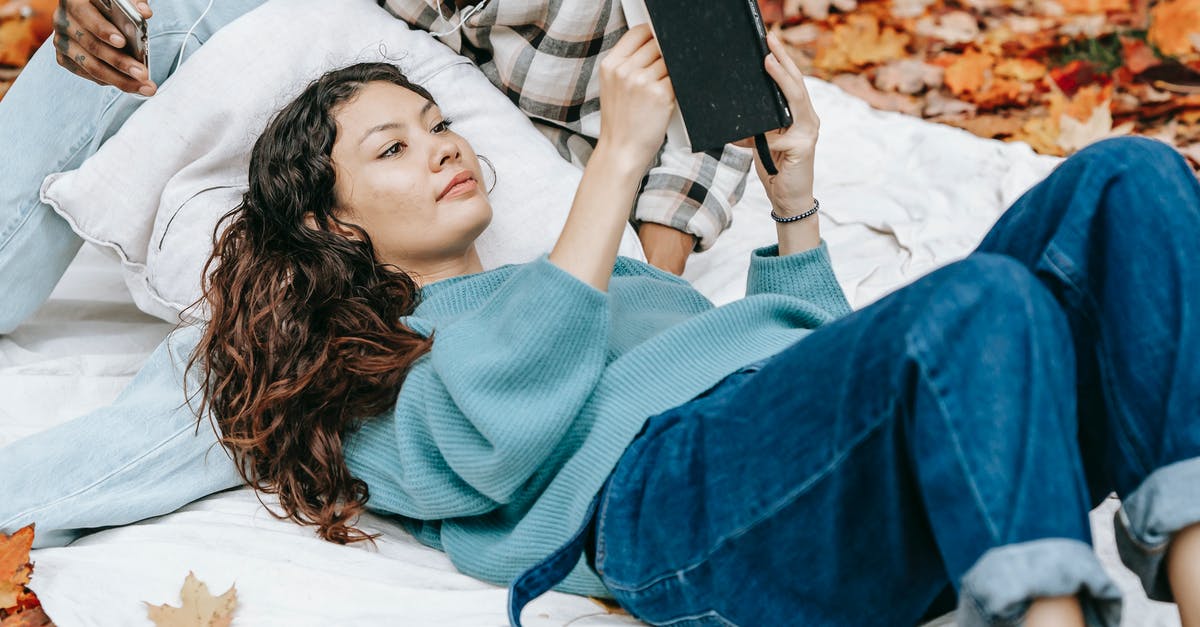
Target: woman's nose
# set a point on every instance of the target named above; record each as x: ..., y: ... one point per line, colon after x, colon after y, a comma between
x: 446, y: 152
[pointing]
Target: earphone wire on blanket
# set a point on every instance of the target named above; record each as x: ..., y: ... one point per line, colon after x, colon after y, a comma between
x: 179, y: 59
x: 462, y: 21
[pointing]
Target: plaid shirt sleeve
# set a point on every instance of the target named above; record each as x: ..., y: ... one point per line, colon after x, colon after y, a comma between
x: 544, y: 55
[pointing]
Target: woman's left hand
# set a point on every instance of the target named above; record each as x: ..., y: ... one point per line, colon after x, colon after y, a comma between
x: 793, y: 148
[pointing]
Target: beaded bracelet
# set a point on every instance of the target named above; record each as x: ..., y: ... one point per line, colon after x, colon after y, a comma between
x: 796, y: 218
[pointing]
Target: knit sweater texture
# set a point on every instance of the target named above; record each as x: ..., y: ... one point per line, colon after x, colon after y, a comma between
x: 506, y: 430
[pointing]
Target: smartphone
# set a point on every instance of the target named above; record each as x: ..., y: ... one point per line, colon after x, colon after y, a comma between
x: 131, y: 24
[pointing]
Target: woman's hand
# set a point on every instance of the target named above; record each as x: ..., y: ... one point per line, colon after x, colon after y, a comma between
x: 90, y: 46
x: 792, y: 148
x: 635, y: 106
x: 636, y: 98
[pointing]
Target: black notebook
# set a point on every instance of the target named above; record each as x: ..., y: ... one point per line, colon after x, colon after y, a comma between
x: 714, y: 51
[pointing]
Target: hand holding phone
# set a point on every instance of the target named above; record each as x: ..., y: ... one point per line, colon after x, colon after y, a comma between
x: 105, y: 41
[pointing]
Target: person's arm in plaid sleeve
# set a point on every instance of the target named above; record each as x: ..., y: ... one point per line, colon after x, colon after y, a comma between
x: 692, y: 194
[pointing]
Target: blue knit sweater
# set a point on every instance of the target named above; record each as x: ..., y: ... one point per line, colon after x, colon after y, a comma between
x: 537, y: 382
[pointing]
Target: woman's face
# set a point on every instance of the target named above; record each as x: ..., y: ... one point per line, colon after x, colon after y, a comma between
x: 410, y: 182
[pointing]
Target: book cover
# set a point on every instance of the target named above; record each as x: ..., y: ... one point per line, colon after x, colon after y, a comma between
x: 714, y: 51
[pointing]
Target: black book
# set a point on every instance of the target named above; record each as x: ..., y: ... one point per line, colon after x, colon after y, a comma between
x: 714, y: 51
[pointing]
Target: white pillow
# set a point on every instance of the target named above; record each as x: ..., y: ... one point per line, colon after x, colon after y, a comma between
x: 154, y: 191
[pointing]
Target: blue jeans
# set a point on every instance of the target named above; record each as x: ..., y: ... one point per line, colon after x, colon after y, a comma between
x: 36, y: 244
x: 954, y: 434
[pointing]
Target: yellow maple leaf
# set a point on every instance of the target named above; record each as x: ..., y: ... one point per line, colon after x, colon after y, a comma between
x: 1172, y: 24
x: 969, y: 72
x: 1041, y: 133
x: 860, y: 42
x: 199, y: 608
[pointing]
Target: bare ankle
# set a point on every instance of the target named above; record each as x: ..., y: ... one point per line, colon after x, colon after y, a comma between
x: 1183, y: 571
x: 1055, y: 612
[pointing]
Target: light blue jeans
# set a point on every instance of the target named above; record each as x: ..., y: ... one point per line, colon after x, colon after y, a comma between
x: 37, y: 139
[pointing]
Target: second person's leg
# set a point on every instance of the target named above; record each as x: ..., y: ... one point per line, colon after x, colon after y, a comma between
x: 144, y: 455
x: 50, y: 121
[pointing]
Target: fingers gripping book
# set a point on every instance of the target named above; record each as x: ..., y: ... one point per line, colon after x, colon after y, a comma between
x: 714, y: 51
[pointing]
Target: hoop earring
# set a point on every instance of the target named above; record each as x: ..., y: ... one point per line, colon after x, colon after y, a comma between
x: 491, y: 167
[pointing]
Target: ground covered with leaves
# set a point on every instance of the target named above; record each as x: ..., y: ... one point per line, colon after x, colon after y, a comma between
x: 1057, y: 74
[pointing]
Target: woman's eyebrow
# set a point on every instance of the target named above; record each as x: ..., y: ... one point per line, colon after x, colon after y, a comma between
x: 387, y: 126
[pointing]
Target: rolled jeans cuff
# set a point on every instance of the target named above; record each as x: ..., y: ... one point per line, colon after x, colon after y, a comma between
x: 998, y: 589
x: 1166, y: 502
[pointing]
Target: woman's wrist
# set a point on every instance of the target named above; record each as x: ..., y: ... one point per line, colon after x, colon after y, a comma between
x: 622, y: 160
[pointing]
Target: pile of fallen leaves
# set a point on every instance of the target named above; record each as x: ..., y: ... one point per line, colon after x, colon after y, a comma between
x: 1058, y: 74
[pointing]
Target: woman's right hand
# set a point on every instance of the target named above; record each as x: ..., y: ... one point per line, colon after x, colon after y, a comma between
x: 90, y: 46
x: 636, y: 98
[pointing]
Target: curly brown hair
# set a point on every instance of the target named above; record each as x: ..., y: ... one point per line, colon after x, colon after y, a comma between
x: 304, y: 341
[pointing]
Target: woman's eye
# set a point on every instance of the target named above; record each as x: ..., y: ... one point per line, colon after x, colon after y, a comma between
x: 443, y: 126
x: 393, y: 150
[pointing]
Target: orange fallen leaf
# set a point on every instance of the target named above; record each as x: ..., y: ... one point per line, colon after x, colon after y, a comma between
x: 1171, y: 25
x: 19, y: 606
x: 1083, y: 104
x: 1074, y: 135
x: 860, y: 42
x: 199, y: 607
x: 1041, y: 133
x: 969, y: 72
x: 35, y: 617
x: 15, y: 568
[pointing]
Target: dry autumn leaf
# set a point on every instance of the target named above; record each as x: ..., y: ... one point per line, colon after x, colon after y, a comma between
x: 969, y: 72
x: 1172, y: 24
x: 955, y: 27
x: 19, y: 606
x: 859, y: 42
x: 199, y: 608
x: 908, y: 76
x: 858, y: 85
x: 15, y: 568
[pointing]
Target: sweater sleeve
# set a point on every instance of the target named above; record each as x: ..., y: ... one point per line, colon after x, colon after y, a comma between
x: 500, y: 388
x: 806, y: 275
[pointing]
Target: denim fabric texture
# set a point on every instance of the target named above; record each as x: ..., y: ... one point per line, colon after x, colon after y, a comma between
x: 36, y: 244
x: 955, y: 433
x: 142, y: 456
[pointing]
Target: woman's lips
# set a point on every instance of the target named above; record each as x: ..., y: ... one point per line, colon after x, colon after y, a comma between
x: 461, y: 189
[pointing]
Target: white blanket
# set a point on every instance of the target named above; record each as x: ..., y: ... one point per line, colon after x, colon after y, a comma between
x: 900, y: 197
